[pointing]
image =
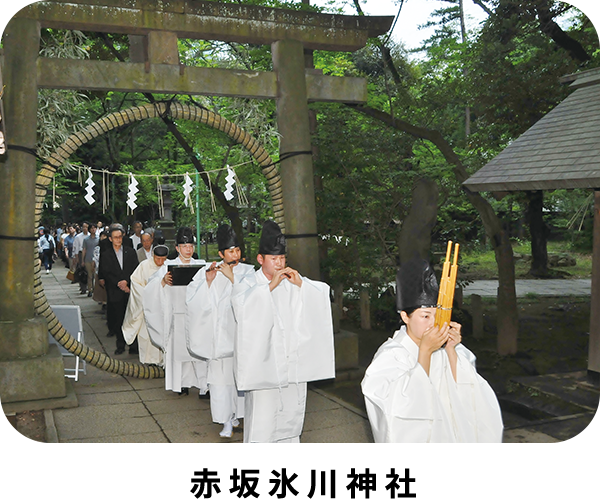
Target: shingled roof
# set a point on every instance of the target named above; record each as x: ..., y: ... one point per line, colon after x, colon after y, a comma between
x: 561, y: 151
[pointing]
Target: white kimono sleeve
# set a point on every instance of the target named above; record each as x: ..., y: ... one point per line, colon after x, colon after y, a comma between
x: 259, y: 359
x: 200, y: 317
x: 315, y: 343
x: 157, y: 309
x: 479, y: 404
x: 134, y: 315
x: 401, y: 402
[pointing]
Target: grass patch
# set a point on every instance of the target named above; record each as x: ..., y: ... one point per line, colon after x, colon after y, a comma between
x: 482, y: 264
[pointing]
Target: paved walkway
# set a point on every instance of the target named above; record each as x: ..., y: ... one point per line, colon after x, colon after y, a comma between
x: 541, y: 287
x: 114, y: 408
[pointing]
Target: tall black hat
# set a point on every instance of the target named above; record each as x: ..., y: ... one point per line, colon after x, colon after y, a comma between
x: 272, y: 241
x: 184, y: 236
x: 416, y: 286
x: 226, y: 238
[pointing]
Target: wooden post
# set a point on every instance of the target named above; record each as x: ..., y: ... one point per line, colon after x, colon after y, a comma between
x: 365, y: 310
x: 594, y: 344
x: 296, y: 171
x: 477, y: 315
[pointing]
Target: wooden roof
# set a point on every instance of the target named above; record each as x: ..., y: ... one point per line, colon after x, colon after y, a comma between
x: 561, y: 151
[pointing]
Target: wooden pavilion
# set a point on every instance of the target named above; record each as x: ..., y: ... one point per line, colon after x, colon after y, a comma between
x: 561, y: 151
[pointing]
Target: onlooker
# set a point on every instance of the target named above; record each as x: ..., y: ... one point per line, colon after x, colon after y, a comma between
x: 136, y: 237
x: 145, y: 252
x: 89, y: 244
x: 69, y: 247
x: 46, y: 248
x: 117, y: 263
x: 77, y: 253
x: 99, y: 294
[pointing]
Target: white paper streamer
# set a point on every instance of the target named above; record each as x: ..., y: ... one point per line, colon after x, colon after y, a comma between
x: 131, y: 195
x: 229, y: 184
x: 159, y: 194
x: 89, y: 188
x: 55, y: 204
x: 187, y: 189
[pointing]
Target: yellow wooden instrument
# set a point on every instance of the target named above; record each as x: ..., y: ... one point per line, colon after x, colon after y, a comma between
x: 447, y: 286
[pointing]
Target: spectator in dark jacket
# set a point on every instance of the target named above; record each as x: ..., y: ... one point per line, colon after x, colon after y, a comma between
x: 117, y: 263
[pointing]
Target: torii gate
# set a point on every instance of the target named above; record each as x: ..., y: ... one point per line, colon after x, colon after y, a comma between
x: 154, y: 28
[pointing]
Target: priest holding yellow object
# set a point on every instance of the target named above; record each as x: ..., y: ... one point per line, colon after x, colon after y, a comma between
x: 422, y: 385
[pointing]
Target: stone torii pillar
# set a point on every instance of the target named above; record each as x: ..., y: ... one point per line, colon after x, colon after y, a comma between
x: 297, y: 170
x: 29, y: 368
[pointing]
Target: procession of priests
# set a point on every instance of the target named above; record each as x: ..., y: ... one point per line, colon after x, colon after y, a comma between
x: 253, y: 339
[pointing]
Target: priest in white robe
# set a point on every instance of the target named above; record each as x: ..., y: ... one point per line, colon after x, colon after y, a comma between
x: 210, y: 327
x: 134, y: 324
x: 422, y: 385
x: 164, y: 309
x: 284, y: 339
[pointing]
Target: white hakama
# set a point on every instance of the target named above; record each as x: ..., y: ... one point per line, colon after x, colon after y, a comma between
x: 210, y: 330
x: 165, y: 311
x: 284, y: 339
x: 134, y: 324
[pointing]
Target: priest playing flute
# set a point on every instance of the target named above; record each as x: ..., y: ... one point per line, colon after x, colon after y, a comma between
x: 284, y: 339
x: 210, y: 327
x: 422, y: 385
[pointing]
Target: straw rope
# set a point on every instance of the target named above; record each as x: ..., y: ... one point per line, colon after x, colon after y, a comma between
x: 173, y: 110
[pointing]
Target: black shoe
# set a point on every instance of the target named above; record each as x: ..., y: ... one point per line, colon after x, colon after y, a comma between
x: 134, y: 351
x: 119, y: 351
x: 90, y: 294
x: 82, y: 292
x: 184, y: 391
x: 110, y: 334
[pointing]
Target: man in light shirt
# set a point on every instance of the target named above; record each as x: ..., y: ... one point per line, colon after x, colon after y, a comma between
x: 145, y: 252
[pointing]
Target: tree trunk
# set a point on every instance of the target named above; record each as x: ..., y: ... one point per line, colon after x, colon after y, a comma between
x: 363, y: 294
x: 508, y: 321
x: 463, y: 33
x: 539, y: 234
x: 414, y: 240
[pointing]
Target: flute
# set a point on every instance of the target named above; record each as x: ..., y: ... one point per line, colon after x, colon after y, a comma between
x: 447, y: 287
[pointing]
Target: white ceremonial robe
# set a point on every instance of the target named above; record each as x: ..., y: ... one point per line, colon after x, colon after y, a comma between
x: 283, y: 340
x: 210, y: 329
x: 406, y: 405
x: 134, y: 324
x: 164, y: 309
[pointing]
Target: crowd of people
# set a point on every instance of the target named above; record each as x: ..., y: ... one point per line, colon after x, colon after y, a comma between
x: 253, y: 339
